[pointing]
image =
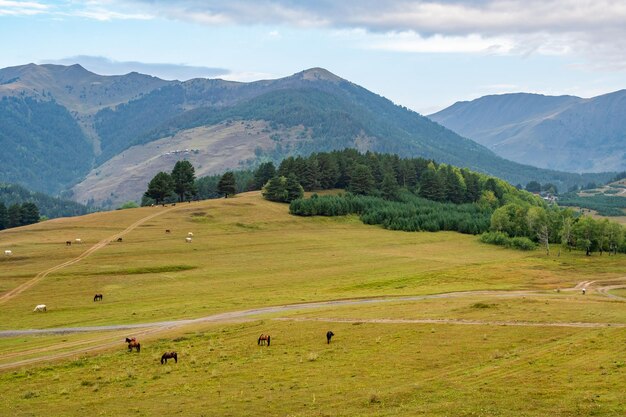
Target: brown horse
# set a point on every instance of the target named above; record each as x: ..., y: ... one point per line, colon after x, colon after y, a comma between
x: 329, y: 335
x: 97, y: 297
x: 169, y: 355
x: 263, y: 339
x: 133, y: 343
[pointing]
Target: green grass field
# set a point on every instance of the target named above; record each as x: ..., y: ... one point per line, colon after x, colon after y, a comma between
x: 249, y: 253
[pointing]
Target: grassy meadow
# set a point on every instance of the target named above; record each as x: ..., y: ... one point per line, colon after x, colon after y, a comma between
x: 248, y: 253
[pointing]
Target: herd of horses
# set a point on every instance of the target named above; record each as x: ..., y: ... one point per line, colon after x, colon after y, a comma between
x: 263, y: 340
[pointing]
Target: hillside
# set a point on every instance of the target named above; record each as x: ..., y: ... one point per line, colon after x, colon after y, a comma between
x: 310, y: 111
x: 562, y: 133
x: 50, y: 207
x: 453, y: 316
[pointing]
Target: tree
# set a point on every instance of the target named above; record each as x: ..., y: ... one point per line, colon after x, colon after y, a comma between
x: 160, y: 187
x: 227, y: 185
x: 3, y: 216
x: 263, y: 174
x: 584, y: 232
x: 533, y: 187
x: 293, y: 188
x: 184, y: 177
x: 361, y: 180
x: 275, y: 190
x: 389, y: 187
x: 431, y: 186
x: 14, y: 218
x: 29, y: 214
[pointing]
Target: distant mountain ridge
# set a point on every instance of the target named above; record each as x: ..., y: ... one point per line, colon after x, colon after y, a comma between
x: 111, y: 134
x: 563, y: 133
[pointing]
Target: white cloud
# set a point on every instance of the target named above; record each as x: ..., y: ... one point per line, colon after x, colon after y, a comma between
x: 105, y: 66
x: 17, y: 8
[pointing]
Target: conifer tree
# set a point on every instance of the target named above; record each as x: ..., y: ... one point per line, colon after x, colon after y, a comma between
x: 160, y: 187
x: 227, y: 185
x: 184, y: 177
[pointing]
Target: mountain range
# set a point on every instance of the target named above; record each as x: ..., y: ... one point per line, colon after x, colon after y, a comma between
x: 99, y: 139
x: 563, y: 133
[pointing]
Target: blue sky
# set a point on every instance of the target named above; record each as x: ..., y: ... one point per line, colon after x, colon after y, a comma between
x: 424, y: 55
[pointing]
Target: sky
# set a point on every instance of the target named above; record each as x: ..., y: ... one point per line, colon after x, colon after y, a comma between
x: 425, y: 55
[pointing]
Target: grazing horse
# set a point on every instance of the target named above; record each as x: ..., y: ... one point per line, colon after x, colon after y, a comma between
x: 133, y: 343
x: 168, y: 231
x: 97, y: 297
x: 119, y: 239
x: 329, y: 335
x: 68, y: 243
x: 263, y: 339
x: 40, y: 307
x: 169, y: 355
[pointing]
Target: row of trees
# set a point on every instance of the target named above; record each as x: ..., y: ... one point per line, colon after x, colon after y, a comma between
x: 554, y: 225
x: 385, y: 175
x: 18, y: 215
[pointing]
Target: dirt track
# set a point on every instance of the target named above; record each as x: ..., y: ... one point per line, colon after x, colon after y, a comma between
x: 144, y: 329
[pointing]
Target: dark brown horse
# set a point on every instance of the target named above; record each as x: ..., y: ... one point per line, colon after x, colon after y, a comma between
x: 263, y: 339
x: 133, y: 343
x: 97, y: 297
x: 169, y: 355
x: 68, y: 243
x: 329, y: 335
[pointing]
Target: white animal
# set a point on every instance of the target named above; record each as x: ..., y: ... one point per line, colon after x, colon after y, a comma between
x: 188, y: 239
x: 78, y: 240
x: 189, y: 234
x: 8, y: 252
x: 40, y: 307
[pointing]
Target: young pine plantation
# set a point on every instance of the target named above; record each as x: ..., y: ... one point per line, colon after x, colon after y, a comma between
x: 425, y: 323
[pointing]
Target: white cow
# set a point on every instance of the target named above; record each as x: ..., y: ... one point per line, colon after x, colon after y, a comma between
x: 8, y: 252
x: 40, y: 307
x: 188, y: 239
x: 78, y: 240
x: 189, y: 234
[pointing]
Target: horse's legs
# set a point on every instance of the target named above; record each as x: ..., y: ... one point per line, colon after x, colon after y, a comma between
x: 175, y: 358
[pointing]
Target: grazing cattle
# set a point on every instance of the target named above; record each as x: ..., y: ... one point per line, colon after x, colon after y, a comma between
x: 189, y: 234
x: 168, y: 231
x: 133, y: 343
x: 68, y: 243
x: 78, y: 240
x: 119, y: 239
x: 97, y: 297
x: 8, y: 252
x: 169, y: 355
x: 263, y: 339
x: 40, y: 307
x: 329, y: 335
x: 188, y: 239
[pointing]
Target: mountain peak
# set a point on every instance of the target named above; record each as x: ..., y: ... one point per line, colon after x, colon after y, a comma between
x: 319, y: 74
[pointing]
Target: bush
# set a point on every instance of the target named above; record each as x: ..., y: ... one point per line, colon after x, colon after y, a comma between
x: 522, y: 243
x: 496, y: 238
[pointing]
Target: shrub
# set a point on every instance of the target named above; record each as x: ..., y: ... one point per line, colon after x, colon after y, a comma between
x: 522, y: 243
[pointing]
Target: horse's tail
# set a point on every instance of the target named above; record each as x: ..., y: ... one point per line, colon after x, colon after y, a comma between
x: 259, y: 341
x: 175, y: 357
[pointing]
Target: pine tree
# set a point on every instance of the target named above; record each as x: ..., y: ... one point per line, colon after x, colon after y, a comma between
x: 160, y: 187
x: 3, y: 216
x: 227, y: 185
x: 275, y: 190
x: 29, y: 214
x: 361, y: 180
x: 184, y: 178
x: 263, y: 174
x: 14, y: 218
x: 389, y: 187
x: 293, y: 188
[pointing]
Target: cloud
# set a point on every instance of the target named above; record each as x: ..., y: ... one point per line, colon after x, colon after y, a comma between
x: 591, y: 28
x: 17, y: 8
x: 167, y: 71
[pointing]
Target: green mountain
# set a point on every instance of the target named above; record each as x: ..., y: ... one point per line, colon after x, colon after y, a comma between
x: 564, y: 133
x: 48, y: 206
x: 134, y: 125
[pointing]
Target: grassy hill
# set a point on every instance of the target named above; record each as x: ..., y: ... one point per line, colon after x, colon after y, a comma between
x: 404, y: 357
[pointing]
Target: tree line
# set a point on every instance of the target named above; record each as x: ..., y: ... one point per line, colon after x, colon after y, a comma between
x: 18, y: 215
